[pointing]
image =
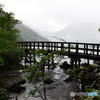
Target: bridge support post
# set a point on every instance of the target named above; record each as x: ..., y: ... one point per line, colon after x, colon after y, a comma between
x: 48, y: 63
x: 34, y: 56
x: 30, y: 58
x: 25, y: 61
x: 53, y: 61
x: 72, y: 63
x: 88, y: 62
x: 77, y: 62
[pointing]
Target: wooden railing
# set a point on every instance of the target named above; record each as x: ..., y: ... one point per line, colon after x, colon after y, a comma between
x: 81, y: 50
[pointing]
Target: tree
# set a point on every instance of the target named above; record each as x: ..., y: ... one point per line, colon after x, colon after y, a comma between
x: 10, y: 53
x: 99, y: 29
x: 36, y: 71
x: 86, y: 76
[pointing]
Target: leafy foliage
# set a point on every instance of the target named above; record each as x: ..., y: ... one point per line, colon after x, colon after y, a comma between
x: 10, y: 52
x: 36, y: 71
x: 87, y: 76
x: 4, y: 96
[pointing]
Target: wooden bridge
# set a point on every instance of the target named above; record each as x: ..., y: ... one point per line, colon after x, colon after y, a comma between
x: 75, y: 50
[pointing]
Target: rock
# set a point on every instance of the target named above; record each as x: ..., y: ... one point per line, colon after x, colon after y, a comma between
x: 22, y: 81
x: 96, y: 62
x: 84, y: 65
x: 15, y: 87
x: 68, y: 79
x: 65, y: 65
x: 48, y: 80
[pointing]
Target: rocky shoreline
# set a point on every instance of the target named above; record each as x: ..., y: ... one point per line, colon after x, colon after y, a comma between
x: 58, y: 90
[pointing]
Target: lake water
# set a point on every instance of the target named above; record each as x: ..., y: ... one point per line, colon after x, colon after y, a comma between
x: 60, y: 60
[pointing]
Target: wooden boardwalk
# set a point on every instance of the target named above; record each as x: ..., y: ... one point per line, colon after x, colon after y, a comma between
x: 75, y: 50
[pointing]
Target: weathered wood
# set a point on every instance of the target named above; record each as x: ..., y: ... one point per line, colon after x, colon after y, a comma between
x: 75, y: 50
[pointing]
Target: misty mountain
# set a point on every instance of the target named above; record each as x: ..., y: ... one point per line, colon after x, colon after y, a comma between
x: 80, y: 33
x: 28, y: 34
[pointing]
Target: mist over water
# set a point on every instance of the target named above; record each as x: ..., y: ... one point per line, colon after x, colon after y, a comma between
x: 86, y: 33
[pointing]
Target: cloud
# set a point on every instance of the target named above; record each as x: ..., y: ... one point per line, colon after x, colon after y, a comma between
x: 54, y: 14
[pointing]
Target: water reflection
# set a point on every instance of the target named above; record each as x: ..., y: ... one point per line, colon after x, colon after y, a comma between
x: 57, y: 72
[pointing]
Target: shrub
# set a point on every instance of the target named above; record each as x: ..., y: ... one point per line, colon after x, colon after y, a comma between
x: 48, y: 80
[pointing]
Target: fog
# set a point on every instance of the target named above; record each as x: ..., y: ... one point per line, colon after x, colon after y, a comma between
x: 71, y: 20
x: 54, y: 15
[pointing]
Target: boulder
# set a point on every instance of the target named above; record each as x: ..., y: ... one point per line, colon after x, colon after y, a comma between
x: 65, y: 65
x: 15, y: 87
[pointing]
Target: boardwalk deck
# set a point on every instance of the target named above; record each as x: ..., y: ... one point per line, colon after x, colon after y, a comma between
x: 75, y: 50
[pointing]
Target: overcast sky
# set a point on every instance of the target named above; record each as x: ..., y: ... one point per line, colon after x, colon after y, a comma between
x: 52, y: 15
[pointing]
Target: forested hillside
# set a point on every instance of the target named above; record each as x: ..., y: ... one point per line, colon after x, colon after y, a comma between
x: 27, y: 34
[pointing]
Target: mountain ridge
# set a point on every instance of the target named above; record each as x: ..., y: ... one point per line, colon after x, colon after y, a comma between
x: 28, y: 34
x: 79, y: 32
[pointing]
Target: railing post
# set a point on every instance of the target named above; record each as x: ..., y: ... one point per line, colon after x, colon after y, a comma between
x: 42, y: 45
x: 62, y: 45
x: 34, y: 45
x: 69, y: 49
x: 30, y: 45
x: 76, y: 48
x: 84, y: 49
x: 93, y: 49
x: 51, y: 46
x: 97, y: 50
x: 87, y: 49
x: 54, y: 47
x: 57, y: 46
x: 38, y: 45
x: 48, y: 46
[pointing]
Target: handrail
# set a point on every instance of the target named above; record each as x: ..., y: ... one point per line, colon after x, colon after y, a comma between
x: 75, y: 47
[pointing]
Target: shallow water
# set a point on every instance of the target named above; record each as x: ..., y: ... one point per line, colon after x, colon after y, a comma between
x: 58, y: 90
